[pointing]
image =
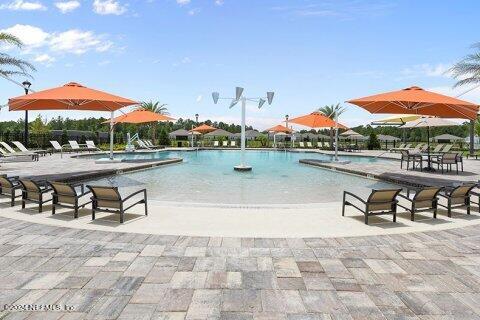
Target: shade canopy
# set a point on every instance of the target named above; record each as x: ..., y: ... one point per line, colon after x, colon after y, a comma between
x: 71, y: 96
x: 415, y: 100
x: 219, y: 133
x: 204, y: 128
x: 279, y: 128
x: 350, y: 133
x: 429, y: 122
x: 140, y: 116
x: 397, y: 119
x: 316, y: 120
x: 386, y: 137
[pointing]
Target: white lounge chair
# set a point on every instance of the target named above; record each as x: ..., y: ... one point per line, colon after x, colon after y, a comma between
x: 22, y: 148
x: 91, y: 145
x: 76, y: 147
x: 319, y: 144
x: 233, y: 143
x: 225, y: 144
x: 18, y: 155
x: 301, y: 144
x: 437, y: 148
x: 309, y: 144
x: 142, y: 144
x: 56, y: 146
x: 215, y: 143
x: 10, y: 150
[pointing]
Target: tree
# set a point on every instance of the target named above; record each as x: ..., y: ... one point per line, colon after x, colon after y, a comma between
x: 467, y: 71
x: 10, y: 65
x: 373, y: 142
x: 39, y: 130
x: 155, y: 107
x: 332, y: 111
x: 163, y: 138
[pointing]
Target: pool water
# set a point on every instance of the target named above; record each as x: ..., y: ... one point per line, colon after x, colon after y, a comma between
x: 208, y: 177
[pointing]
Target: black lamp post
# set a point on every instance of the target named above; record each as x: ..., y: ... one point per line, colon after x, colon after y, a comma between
x: 196, y: 118
x: 286, y: 121
x: 26, y: 86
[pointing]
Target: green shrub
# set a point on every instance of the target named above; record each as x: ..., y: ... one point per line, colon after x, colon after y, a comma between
x: 373, y: 142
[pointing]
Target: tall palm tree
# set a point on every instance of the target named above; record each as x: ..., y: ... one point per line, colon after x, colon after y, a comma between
x: 332, y: 111
x: 467, y: 71
x: 155, y: 107
x: 10, y: 65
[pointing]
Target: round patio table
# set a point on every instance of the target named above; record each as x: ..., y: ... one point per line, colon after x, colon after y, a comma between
x: 429, y: 157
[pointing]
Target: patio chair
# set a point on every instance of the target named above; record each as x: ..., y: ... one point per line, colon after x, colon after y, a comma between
x: 407, y: 156
x: 319, y: 145
x: 91, y: 145
x: 108, y: 199
x: 326, y: 145
x: 56, y: 146
x: 142, y: 144
x: 379, y: 202
x: 448, y: 159
x: 150, y: 144
x: 9, y: 187
x: 301, y: 144
x: 425, y: 199
x: 215, y: 143
x: 17, y: 155
x: 35, y: 192
x: 309, y: 145
x: 233, y: 143
x: 66, y: 196
x: 417, y: 149
x: 399, y: 148
x: 437, y: 148
x: 77, y: 147
x: 224, y: 143
x: 22, y: 148
x: 447, y: 148
x: 458, y: 197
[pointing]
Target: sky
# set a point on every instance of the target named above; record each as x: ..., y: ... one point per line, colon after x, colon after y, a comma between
x: 310, y: 53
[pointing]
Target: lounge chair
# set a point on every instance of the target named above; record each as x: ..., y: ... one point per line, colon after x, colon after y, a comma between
x: 437, y: 148
x: 326, y: 145
x: 458, y: 197
x: 402, y: 146
x: 415, y: 158
x: 18, y: 155
x: 215, y: 143
x: 319, y: 145
x: 425, y: 199
x: 150, y: 144
x: 448, y: 159
x: 9, y: 187
x: 91, y: 146
x: 379, y: 202
x: 77, y: 147
x: 35, y: 192
x: 56, y: 146
x: 66, y: 196
x: 224, y: 143
x: 108, y: 199
x: 22, y: 148
x: 233, y: 143
x: 301, y: 144
x: 309, y: 144
x: 417, y: 149
x: 447, y: 148
x: 142, y: 144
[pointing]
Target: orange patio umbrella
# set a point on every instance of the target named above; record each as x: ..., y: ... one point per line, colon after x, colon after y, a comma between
x: 204, y: 128
x: 140, y: 116
x: 72, y: 96
x: 317, y: 120
x: 279, y: 128
x: 415, y: 100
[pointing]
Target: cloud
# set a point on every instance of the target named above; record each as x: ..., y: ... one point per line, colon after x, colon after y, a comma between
x: 19, y: 5
x: 471, y: 96
x: 199, y: 98
x: 71, y: 41
x: 426, y: 70
x: 193, y: 12
x: 106, y: 7
x: 44, y: 59
x: 67, y: 6
x: 219, y: 2
x: 185, y: 60
x: 183, y: 2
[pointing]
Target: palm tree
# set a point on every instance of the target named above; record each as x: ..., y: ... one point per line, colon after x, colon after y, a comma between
x: 467, y: 71
x: 332, y: 111
x: 9, y: 65
x: 155, y: 107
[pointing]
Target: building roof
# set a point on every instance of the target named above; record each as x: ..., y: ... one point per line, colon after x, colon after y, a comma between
x: 219, y: 133
x: 447, y: 136
x: 248, y: 134
x: 179, y: 133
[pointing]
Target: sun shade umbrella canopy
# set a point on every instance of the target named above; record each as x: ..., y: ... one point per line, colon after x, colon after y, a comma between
x: 316, y: 120
x: 427, y: 123
x: 350, y: 133
x: 279, y: 128
x: 415, y: 100
x: 204, y: 128
x: 72, y: 96
x: 141, y: 116
x: 398, y: 119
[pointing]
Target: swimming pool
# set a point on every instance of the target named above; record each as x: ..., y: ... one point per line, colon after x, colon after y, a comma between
x: 207, y: 176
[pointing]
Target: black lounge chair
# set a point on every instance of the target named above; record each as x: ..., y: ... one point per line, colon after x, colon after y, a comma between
x: 35, y: 192
x: 108, y: 199
x: 9, y: 187
x: 379, y: 202
x: 66, y: 196
x: 458, y: 197
x: 425, y: 199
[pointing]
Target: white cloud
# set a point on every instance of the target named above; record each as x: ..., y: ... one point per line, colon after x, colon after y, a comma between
x: 199, y: 98
x: 183, y: 2
x: 44, y: 59
x: 23, y: 5
x: 106, y: 7
x: 471, y: 96
x: 78, y: 42
x: 30, y: 36
x: 67, y: 6
x: 104, y: 63
x: 193, y: 12
x: 426, y: 70
x: 219, y: 2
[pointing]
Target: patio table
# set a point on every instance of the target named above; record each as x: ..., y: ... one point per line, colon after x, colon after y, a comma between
x: 429, y: 157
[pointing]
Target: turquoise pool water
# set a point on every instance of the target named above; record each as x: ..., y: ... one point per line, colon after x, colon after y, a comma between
x: 208, y: 177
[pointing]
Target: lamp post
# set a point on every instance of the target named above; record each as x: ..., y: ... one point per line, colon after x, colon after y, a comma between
x: 286, y: 125
x: 26, y: 86
x: 240, y: 97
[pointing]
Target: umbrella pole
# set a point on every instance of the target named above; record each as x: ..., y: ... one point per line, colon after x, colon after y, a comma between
x: 111, y: 135
x: 336, y: 136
